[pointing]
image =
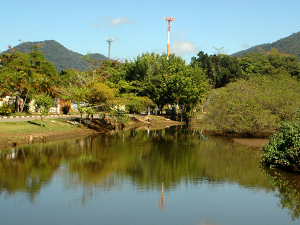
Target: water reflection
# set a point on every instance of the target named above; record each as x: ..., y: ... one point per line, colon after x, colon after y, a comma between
x: 157, y: 159
x: 287, y: 188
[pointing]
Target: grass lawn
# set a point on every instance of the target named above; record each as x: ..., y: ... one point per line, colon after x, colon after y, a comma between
x: 28, y: 127
x: 12, y: 133
x: 21, y: 128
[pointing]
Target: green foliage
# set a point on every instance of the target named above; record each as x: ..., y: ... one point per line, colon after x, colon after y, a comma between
x: 24, y: 75
x: 283, y: 149
x: 5, y: 110
x: 30, y: 64
x: 279, y: 94
x: 43, y: 103
x: 288, y: 45
x: 234, y: 110
x: 253, y: 106
x: 220, y: 69
x: 270, y: 63
x: 136, y: 104
x: 119, y: 116
x: 61, y: 57
x: 166, y: 81
x: 89, y: 87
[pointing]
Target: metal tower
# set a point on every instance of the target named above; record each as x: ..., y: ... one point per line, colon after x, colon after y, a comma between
x: 110, y: 42
x: 169, y: 19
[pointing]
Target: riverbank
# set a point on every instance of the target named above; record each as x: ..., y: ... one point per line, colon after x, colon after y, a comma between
x: 28, y: 132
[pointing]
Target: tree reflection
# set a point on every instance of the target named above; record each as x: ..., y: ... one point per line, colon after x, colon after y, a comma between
x: 28, y: 171
x: 287, y: 188
x: 147, y: 157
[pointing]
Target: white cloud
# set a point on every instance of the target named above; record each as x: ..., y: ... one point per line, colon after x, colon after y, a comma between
x: 120, y: 21
x: 181, y: 33
x: 95, y: 25
x: 245, y: 46
x: 180, y: 47
x: 109, y: 21
x: 159, y: 50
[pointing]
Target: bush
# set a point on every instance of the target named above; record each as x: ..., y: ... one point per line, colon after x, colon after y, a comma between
x: 5, y: 110
x: 235, y: 110
x: 136, y: 104
x: 253, y: 107
x: 283, y: 149
x: 119, y: 116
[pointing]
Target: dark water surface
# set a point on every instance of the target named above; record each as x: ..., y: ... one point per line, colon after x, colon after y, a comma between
x: 169, y: 176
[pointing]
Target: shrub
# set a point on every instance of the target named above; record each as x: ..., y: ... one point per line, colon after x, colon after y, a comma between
x: 119, y: 116
x: 5, y: 110
x: 235, y: 110
x: 253, y: 107
x: 283, y: 149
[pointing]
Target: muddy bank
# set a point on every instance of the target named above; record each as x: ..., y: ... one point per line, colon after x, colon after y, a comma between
x: 87, y: 128
x: 15, y: 140
x: 255, y: 142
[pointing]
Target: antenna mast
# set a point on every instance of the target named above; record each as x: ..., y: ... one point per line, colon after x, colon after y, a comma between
x: 110, y: 42
x: 169, y: 19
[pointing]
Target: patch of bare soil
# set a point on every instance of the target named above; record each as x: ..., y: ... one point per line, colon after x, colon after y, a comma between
x: 155, y: 120
x: 255, y: 142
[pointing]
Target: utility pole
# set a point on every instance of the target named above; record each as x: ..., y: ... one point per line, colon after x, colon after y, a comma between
x: 110, y: 42
x: 169, y: 19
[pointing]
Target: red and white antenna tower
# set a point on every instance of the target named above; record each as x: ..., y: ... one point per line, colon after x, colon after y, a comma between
x: 169, y: 19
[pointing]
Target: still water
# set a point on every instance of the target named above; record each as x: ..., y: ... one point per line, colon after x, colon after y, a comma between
x: 162, y: 176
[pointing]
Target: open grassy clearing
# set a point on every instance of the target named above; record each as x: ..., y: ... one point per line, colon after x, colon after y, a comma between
x: 28, y: 127
x: 26, y: 132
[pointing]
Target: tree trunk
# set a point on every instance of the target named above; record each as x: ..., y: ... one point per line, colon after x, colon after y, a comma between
x: 17, y: 104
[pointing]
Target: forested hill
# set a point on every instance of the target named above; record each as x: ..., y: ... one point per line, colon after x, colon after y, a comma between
x: 290, y: 45
x: 61, y: 57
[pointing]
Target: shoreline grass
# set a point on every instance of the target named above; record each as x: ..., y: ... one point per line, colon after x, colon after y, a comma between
x: 34, y: 126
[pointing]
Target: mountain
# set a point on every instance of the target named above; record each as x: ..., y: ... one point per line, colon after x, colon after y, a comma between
x: 61, y: 57
x: 290, y: 45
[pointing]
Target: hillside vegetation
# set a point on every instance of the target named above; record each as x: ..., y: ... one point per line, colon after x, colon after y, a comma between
x: 289, y: 45
x: 61, y: 57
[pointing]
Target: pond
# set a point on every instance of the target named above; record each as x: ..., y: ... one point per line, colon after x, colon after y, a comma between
x: 158, y: 176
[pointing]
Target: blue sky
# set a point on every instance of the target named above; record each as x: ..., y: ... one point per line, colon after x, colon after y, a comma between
x: 138, y: 26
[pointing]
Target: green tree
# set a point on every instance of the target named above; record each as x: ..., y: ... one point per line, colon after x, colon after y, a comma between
x: 270, y: 63
x: 89, y: 88
x: 221, y: 69
x: 43, y: 102
x: 23, y: 74
x: 166, y: 81
x: 203, y: 60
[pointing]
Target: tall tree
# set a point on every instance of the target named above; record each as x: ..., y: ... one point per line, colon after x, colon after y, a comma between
x: 21, y: 74
x: 270, y: 63
x: 221, y: 69
x: 166, y: 81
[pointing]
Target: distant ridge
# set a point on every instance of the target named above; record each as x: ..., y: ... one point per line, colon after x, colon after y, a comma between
x: 290, y: 45
x: 61, y: 57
